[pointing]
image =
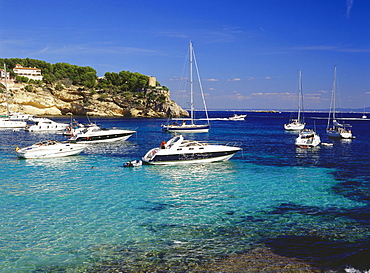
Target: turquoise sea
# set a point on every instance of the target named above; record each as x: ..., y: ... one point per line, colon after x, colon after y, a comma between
x: 87, y: 213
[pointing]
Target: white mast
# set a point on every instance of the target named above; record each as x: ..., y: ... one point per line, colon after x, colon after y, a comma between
x: 332, y: 102
x: 300, y: 97
x: 6, y: 90
x: 191, y: 83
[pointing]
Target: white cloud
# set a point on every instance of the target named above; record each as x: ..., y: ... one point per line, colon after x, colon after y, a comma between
x: 211, y: 80
x: 234, y: 80
x: 349, y: 7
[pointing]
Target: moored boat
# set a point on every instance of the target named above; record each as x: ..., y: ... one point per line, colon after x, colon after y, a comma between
x: 307, y: 138
x: 297, y: 124
x: 45, y: 124
x: 96, y: 134
x: 50, y: 148
x: 133, y: 163
x: 337, y: 129
x: 180, y: 151
x: 190, y: 127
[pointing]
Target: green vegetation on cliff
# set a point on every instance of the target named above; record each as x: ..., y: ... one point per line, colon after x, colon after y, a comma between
x: 78, y: 90
x: 64, y: 73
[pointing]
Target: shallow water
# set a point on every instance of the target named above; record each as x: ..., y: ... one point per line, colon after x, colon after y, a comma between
x: 87, y: 211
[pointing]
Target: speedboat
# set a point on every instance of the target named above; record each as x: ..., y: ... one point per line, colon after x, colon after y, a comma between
x: 45, y: 124
x: 237, y: 117
x: 307, y: 138
x: 95, y: 134
x: 180, y: 151
x: 50, y: 148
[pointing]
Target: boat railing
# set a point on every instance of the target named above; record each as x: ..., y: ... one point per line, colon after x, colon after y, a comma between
x: 229, y: 143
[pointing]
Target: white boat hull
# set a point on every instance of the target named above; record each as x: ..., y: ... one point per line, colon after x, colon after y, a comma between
x: 100, y: 136
x: 45, y: 124
x: 6, y: 123
x: 180, y: 151
x: 48, y: 151
x: 308, y: 139
x: 208, y: 160
x: 188, y: 128
x: 294, y: 126
x: 336, y: 134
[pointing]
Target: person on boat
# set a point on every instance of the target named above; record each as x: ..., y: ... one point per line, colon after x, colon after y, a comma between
x: 163, y: 144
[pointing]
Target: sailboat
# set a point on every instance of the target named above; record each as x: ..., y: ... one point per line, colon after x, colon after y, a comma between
x: 297, y: 124
x: 9, y: 121
x: 364, y: 114
x: 336, y: 129
x: 191, y: 127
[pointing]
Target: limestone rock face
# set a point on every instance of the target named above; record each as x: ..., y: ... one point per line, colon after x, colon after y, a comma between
x: 47, y: 100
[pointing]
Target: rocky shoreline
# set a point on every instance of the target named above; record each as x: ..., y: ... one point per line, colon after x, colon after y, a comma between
x: 48, y: 100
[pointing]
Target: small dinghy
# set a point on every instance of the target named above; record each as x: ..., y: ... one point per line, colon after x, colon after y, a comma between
x: 326, y: 144
x: 133, y: 163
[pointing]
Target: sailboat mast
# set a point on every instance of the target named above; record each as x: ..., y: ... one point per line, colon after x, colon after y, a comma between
x: 6, y: 90
x: 334, y: 90
x: 299, y: 96
x: 332, y: 102
x: 191, y: 83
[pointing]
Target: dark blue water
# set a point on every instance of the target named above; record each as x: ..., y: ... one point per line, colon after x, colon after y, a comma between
x: 87, y: 212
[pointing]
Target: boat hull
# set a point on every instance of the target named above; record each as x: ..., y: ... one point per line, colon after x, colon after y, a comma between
x: 44, y: 124
x: 50, y: 152
x: 189, y: 157
x: 308, y: 142
x: 6, y: 123
x: 294, y: 127
x: 185, y: 128
x: 116, y: 135
x: 336, y: 134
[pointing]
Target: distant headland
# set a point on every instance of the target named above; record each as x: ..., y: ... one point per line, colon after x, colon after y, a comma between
x: 40, y: 88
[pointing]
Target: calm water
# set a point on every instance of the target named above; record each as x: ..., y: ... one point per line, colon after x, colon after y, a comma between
x: 87, y: 212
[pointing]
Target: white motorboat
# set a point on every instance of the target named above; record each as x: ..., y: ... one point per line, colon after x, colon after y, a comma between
x: 20, y: 116
x: 336, y: 129
x: 95, y: 134
x: 51, y: 148
x: 307, y: 138
x: 237, y: 117
x: 45, y: 124
x: 180, y: 151
x: 5, y: 122
x: 191, y: 127
x: 297, y: 124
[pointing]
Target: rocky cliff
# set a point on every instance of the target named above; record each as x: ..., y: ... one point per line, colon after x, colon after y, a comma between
x: 56, y: 100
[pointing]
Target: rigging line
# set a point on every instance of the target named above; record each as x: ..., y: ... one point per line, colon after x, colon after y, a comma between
x: 201, y: 87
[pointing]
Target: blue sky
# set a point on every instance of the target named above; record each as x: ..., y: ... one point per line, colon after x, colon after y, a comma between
x: 249, y: 53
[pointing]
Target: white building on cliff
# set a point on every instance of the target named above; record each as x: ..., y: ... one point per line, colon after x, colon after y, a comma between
x: 29, y: 72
